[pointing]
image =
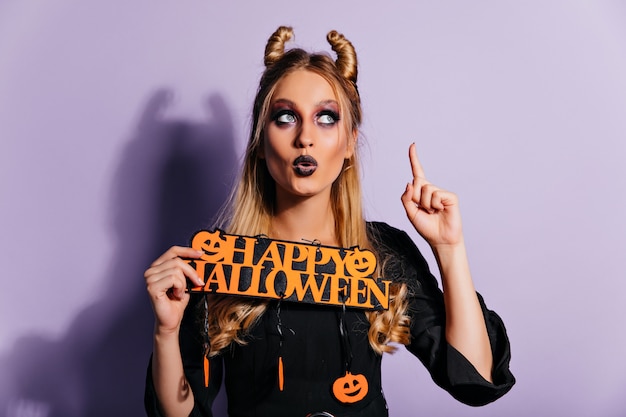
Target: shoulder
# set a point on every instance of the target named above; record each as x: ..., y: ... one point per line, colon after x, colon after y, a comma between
x: 392, y: 245
x: 399, y: 257
x: 385, y: 238
x: 377, y: 230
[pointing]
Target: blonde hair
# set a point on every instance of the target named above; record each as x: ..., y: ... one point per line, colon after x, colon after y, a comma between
x: 251, y: 205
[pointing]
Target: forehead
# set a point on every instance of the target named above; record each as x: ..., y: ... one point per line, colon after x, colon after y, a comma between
x: 304, y: 87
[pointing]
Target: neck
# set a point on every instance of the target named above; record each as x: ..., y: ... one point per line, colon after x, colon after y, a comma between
x: 309, y: 218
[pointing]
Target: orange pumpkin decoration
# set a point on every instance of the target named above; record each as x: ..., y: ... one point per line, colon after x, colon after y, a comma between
x: 211, y: 243
x: 360, y: 263
x: 350, y: 388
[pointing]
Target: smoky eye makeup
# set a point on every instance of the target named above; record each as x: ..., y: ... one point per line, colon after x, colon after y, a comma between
x: 284, y: 113
x: 284, y: 116
x: 327, y: 117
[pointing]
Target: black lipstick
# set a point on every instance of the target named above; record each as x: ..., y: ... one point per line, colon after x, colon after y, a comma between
x: 305, y: 165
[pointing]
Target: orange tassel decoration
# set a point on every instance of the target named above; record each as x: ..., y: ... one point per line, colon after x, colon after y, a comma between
x: 281, y: 378
x: 207, y: 366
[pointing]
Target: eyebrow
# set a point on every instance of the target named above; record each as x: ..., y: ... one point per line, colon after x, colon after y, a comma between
x: 292, y: 104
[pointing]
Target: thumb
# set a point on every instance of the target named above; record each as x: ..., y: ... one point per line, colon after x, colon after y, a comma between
x: 407, y: 201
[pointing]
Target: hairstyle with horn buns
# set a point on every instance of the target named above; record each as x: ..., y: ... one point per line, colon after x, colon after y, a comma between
x: 251, y: 205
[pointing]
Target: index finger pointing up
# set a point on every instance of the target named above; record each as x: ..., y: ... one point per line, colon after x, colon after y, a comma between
x: 416, y: 166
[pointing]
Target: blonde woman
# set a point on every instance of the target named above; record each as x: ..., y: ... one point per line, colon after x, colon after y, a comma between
x: 300, y: 181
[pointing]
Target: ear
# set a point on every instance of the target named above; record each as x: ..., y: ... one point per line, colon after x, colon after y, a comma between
x: 351, y: 144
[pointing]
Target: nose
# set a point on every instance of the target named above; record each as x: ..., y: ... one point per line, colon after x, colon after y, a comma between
x: 306, y: 135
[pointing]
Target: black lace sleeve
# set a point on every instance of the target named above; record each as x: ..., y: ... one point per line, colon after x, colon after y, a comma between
x: 448, y: 368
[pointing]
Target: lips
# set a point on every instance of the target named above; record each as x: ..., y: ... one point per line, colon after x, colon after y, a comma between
x: 305, y: 165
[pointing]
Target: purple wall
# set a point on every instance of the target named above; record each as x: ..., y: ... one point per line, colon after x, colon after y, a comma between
x: 121, y: 128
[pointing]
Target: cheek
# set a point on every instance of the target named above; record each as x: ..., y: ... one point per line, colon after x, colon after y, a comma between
x: 274, y: 161
x: 276, y: 141
x: 338, y: 150
x: 267, y: 150
x: 273, y: 156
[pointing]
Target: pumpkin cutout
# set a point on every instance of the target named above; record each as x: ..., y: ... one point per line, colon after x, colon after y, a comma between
x: 210, y: 243
x: 360, y: 263
x: 350, y: 388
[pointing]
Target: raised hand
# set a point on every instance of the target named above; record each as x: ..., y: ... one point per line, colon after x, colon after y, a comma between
x: 166, y: 281
x: 433, y: 212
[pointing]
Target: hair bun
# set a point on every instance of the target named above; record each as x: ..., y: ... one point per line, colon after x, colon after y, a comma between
x: 275, y: 47
x: 346, y: 55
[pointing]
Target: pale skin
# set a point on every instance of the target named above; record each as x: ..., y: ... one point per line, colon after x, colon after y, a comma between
x: 303, y: 105
x: 433, y: 212
x: 435, y: 215
x: 166, y: 281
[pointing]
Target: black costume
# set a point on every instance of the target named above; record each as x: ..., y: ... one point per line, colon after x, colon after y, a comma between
x: 314, y: 355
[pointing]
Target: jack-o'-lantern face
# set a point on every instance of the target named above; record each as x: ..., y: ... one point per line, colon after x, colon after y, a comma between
x: 211, y: 243
x: 360, y: 263
x: 350, y: 388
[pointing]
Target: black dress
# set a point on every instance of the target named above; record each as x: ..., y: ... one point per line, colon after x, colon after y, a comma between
x: 314, y: 353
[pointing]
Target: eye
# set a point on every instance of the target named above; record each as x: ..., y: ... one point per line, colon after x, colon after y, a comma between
x: 283, y: 117
x: 327, y: 118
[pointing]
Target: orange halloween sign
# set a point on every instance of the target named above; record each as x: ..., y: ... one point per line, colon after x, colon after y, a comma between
x: 301, y: 272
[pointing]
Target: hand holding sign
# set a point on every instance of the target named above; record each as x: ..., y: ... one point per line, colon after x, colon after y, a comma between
x: 166, y: 281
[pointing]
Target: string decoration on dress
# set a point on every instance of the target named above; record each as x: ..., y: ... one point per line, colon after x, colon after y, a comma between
x: 206, y: 346
x: 279, y: 327
x: 348, y: 388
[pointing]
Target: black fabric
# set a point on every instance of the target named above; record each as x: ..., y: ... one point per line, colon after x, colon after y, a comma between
x: 312, y: 352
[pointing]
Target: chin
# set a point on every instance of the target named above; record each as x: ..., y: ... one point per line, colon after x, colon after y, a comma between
x: 303, y: 192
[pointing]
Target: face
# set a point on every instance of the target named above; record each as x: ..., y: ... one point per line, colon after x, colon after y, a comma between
x: 305, y: 140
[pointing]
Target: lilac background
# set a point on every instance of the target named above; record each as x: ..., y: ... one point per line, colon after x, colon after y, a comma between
x: 121, y: 124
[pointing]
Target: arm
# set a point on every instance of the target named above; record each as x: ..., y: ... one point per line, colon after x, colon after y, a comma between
x: 166, y: 281
x: 170, y: 383
x: 465, y: 323
x: 435, y: 215
x: 449, y: 369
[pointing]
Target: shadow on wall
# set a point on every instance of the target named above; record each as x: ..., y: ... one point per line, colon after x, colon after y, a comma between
x: 173, y: 177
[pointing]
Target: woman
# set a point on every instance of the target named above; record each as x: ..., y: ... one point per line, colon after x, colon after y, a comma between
x: 300, y: 181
